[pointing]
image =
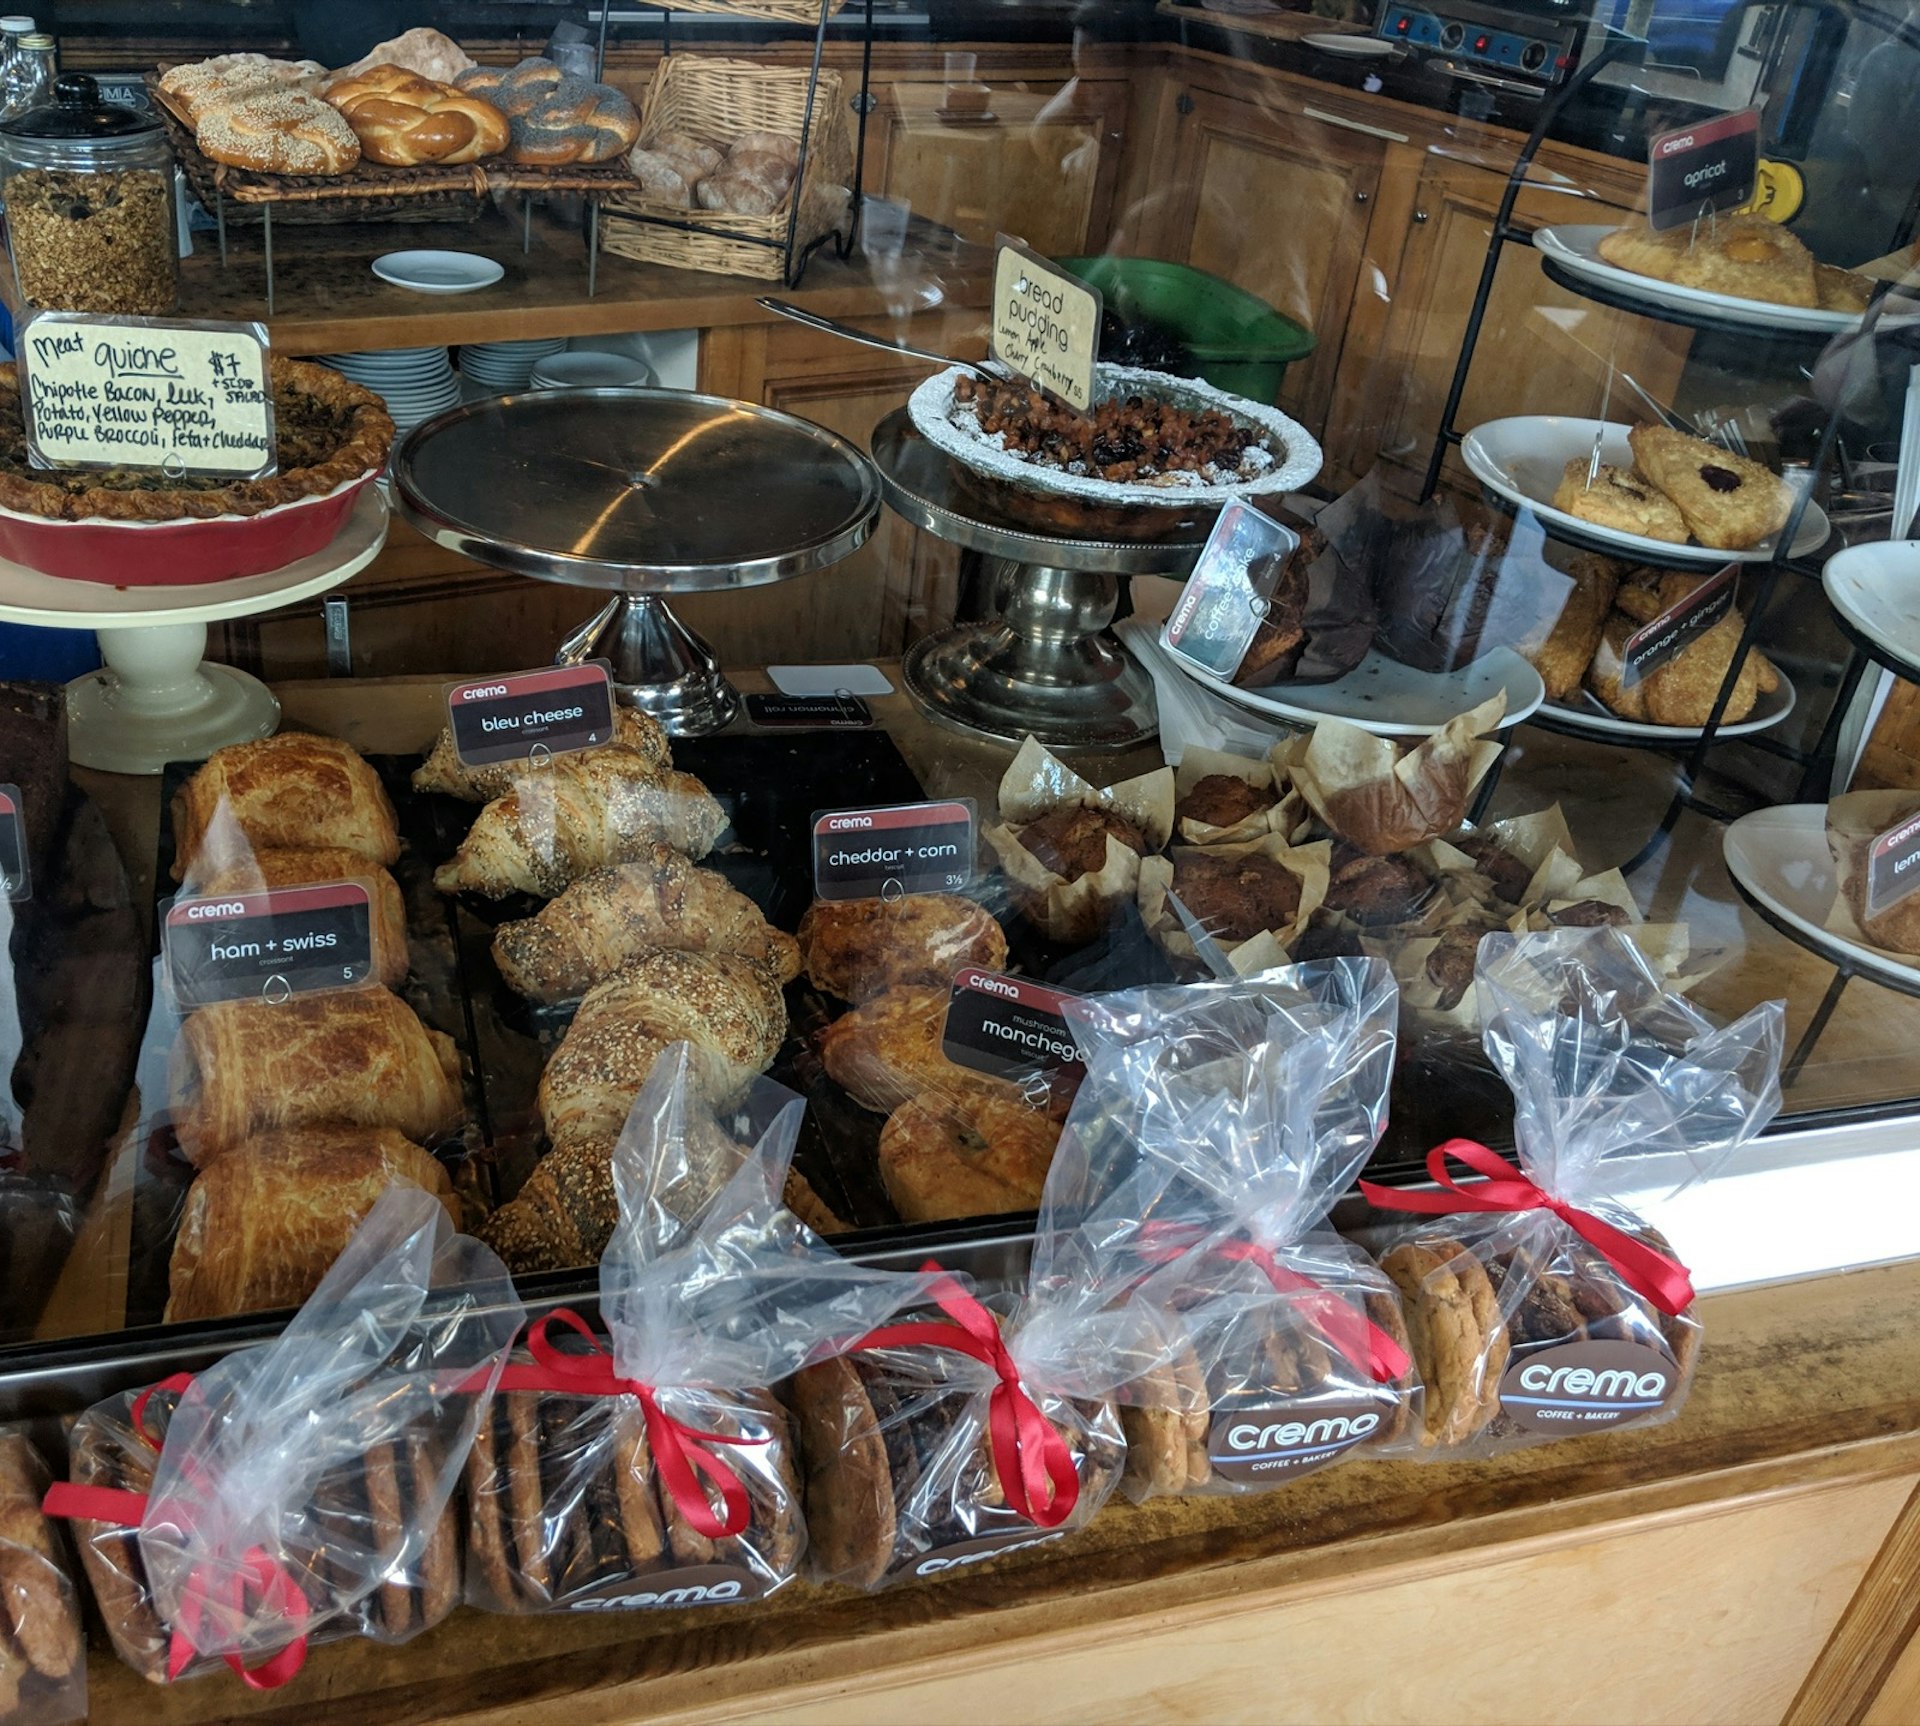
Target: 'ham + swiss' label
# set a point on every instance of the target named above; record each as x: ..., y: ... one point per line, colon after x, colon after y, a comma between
x: 284, y: 941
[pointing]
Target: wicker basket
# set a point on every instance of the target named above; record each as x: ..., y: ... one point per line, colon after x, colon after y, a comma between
x: 717, y: 100
x: 783, y: 11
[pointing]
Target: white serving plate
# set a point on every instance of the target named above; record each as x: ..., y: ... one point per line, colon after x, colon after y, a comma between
x: 1349, y: 47
x: 1876, y: 590
x: 1383, y: 696
x: 1298, y: 460
x: 1779, y: 859
x: 1521, y: 460
x: 1592, y: 720
x: 1575, y: 247
x: 434, y: 272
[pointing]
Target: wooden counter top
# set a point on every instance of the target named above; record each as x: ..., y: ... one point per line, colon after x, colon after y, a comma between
x: 327, y: 298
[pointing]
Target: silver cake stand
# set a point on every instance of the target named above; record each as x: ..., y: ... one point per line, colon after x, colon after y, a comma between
x: 639, y: 492
x: 1047, y: 664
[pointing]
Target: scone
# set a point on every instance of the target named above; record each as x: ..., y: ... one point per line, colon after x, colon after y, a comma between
x: 975, y: 1155
x: 1619, y: 500
x: 859, y: 948
x: 1625, y: 700
x: 887, y: 1052
x: 1841, y: 290
x: 1726, y: 501
x: 1744, y: 257
x: 1682, y: 691
x: 1562, y: 659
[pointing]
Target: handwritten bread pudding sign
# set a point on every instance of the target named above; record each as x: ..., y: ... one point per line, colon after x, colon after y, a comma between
x: 181, y: 397
x: 1046, y: 323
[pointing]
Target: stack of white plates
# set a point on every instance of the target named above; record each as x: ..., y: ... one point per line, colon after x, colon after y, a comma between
x: 498, y: 366
x: 590, y: 370
x: 415, y: 383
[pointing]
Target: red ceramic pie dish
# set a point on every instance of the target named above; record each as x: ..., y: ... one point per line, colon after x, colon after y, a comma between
x: 183, y: 553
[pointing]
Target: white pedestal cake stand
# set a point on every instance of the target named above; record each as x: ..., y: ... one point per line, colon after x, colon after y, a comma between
x: 157, y: 700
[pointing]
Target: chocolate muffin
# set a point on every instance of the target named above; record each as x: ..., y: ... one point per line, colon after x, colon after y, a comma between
x: 1223, y: 800
x: 1073, y: 841
x: 1449, y: 966
x: 1589, y: 914
x: 1508, y: 873
x: 1235, y: 898
x: 1323, y: 940
x: 1374, y: 890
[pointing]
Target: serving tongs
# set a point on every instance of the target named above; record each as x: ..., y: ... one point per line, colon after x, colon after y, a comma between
x: 813, y: 321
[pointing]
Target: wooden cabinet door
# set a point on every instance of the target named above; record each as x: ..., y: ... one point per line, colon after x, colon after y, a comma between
x: 1038, y: 163
x: 901, y: 583
x: 1278, y: 202
x: 1541, y: 349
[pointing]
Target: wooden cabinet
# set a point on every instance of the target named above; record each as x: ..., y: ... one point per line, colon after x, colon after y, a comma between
x: 1038, y: 162
x: 1277, y: 196
x: 1541, y: 349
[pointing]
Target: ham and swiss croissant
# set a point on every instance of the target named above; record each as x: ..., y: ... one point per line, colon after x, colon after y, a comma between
x: 309, y: 865
x: 292, y: 790
x: 585, y: 811
x: 356, y: 1058
x: 612, y: 916
x: 264, y: 1224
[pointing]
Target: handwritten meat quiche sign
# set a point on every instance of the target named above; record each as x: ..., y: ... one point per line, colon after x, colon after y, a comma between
x: 141, y: 392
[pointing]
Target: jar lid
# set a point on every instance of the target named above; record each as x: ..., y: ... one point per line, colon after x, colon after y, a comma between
x: 16, y: 24
x: 76, y: 112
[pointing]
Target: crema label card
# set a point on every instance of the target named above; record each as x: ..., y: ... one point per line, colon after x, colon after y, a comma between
x: 531, y: 714
x: 902, y: 848
x: 1694, y: 172
x: 285, y: 941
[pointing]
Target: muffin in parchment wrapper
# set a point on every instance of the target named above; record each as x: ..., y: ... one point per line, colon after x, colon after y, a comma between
x: 1382, y: 799
x: 1854, y: 820
x: 1203, y: 792
x: 1248, y: 950
x: 1073, y: 909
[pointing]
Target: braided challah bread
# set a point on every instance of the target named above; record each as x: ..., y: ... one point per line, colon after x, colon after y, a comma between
x: 403, y: 119
x: 203, y: 84
x: 280, y: 131
x: 555, y: 118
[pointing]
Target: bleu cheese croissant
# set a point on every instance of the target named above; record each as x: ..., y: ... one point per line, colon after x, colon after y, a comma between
x: 443, y: 771
x: 614, y: 915
x: 579, y: 814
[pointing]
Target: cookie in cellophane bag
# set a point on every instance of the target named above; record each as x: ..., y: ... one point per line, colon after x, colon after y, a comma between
x: 655, y: 1468
x: 905, y: 1480
x: 1538, y: 1304
x: 43, y: 1653
x: 300, y: 1490
x: 1240, y: 1110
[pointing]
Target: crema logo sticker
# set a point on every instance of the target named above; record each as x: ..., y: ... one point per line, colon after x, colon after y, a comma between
x: 963, y: 1553
x: 1263, y: 1445
x: 1587, y: 1386
x: 699, y: 1585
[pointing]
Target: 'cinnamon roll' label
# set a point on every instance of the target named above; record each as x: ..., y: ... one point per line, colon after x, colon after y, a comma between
x: 268, y: 945
x: 529, y: 715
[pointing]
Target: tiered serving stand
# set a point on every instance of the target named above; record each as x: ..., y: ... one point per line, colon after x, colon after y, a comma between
x: 158, y: 700
x: 1047, y: 664
x: 640, y: 493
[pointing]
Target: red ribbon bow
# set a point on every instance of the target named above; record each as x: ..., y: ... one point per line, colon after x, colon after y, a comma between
x: 1350, y: 1331
x: 1645, y: 1269
x: 1035, y: 1466
x: 274, y: 1589
x: 679, y: 1451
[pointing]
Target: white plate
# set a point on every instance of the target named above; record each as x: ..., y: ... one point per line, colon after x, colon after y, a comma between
x: 1876, y: 590
x: 1779, y: 859
x: 1352, y: 47
x: 438, y: 272
x: 1575, y: 247
x: 1380, y: 694
x: 1591, y: 720
x: 1522, y: 459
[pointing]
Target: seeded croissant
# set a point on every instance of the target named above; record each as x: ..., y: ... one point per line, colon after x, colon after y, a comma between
x: 580, y: 814
x: 612, y: 916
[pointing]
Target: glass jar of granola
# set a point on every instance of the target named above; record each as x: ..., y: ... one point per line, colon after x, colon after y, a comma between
x: 88, y: 188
